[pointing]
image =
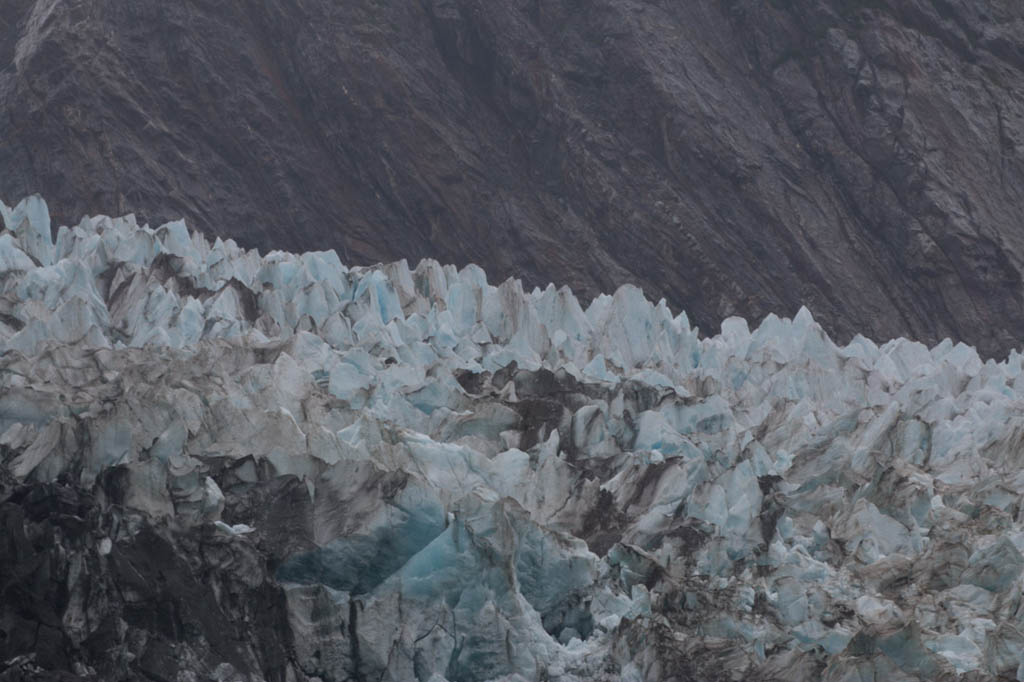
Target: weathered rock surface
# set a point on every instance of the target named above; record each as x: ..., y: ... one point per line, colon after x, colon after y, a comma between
x: 217, y: 465
x: 736, y: 156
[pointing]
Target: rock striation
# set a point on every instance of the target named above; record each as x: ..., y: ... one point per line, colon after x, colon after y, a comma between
x: 733, y: 156
x: 217, y: 464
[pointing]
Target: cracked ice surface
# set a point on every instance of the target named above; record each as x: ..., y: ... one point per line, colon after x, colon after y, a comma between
x: 501, y: 484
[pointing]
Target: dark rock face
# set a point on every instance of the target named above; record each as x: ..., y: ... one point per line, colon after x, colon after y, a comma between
x: 735, y: 156
x: 92, y: 587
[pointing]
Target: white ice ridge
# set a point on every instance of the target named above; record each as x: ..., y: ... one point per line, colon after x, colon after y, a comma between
x: 516, y: 487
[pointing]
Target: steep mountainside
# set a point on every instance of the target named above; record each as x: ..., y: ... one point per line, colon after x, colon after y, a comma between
x: 735, y: 156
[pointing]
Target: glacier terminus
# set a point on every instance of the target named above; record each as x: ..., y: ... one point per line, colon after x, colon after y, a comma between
x: 217, y: 464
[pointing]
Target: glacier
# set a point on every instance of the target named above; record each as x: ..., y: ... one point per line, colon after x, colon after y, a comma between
x: 439, y: 479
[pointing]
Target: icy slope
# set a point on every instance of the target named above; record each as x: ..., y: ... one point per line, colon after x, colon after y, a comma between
x: 217, y: 464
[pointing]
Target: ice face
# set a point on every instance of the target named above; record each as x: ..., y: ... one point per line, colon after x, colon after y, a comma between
x: 489, y: 483
x: 29, y: 221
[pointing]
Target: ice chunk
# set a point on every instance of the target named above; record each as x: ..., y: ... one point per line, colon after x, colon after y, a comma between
x: 45, y: 444
x: 869, y: 534
x: 175, y: 239
x: 791, y: 601
x: 958, y: 650
x: 596, y: 369
x: 236, y: 529
x: 878, y: 611
x: 12, y: 257
x: 995, y: 567
x: 213, y: 499
x: 349, y: 383
x: 30, y: 222
x: 655, y: 433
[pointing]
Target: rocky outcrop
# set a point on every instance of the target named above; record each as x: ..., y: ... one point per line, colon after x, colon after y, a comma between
x: 95, y: 588
x: 734, y: 156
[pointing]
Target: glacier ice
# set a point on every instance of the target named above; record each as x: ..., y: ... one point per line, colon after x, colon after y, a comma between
x: 506, y: 484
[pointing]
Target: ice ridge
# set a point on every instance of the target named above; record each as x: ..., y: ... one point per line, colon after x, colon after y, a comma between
x: 512, y: 486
